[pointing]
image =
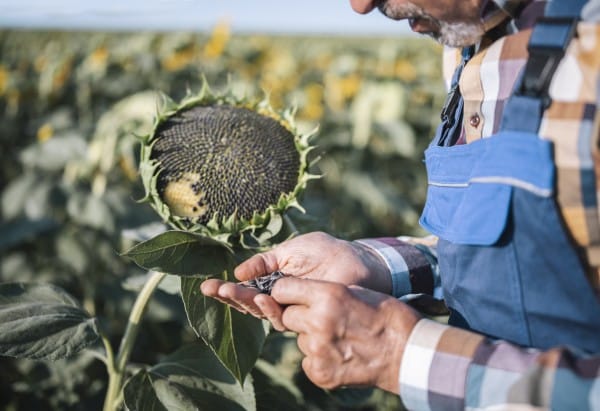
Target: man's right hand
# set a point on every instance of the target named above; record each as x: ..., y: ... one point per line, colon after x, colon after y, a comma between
x: 317, y: 256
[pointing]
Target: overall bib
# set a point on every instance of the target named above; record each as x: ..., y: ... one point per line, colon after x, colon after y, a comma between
x: 507, y: 266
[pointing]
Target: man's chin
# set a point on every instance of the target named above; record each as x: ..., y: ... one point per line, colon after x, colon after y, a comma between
x: 458, y: 34
x: 454, y: 34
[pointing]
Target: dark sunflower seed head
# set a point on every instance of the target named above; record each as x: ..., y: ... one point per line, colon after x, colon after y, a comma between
x: 219, y: 160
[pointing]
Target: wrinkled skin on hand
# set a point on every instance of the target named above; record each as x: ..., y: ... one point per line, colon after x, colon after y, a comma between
x: 316, y: 256
x: 350, y: 336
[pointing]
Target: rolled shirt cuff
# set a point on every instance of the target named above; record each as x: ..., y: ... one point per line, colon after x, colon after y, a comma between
x: 410, y: 270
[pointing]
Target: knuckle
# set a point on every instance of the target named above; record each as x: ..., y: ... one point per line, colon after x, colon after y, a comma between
x: 268, y: 260
x: 301, y: 343
x: 320, y: 374
x: 288, y: 317
x: 319, y: 235
x: 315, y: 347
x: 323, y: 326
x: 338, y: 294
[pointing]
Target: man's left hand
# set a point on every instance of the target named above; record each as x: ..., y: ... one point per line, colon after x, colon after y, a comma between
x: 350, y: 336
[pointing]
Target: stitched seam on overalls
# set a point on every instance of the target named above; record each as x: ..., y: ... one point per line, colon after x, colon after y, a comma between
x: 517, y: 267
x: 509, y: 181
x: 525, y: 185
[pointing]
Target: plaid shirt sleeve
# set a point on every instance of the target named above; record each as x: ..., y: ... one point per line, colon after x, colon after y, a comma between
x: 452, y: 369
x: 412, y: 263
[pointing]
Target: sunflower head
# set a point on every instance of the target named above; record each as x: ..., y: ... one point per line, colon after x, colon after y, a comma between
x: 224, y: 167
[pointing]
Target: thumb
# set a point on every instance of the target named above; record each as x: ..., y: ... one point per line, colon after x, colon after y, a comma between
x: 256, y: 266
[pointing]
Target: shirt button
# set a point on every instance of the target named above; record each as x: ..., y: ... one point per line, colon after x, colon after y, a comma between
x: 474, y: 120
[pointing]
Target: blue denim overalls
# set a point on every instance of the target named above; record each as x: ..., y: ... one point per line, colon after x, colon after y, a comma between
x: 507, y: 266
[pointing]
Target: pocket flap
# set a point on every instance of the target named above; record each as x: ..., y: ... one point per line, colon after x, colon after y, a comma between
x: 475, y: 214
x: 470, y: 186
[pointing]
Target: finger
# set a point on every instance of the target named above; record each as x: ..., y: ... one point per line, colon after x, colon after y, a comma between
x: 320, y: 373
x: 237, y: 292
x: 271, y: 310
x: 241, y: 296
x: 297, y: 318
x: 307, y: 365
x: 210, y: 287
x: 256, y: 266
x: 373, y: 298
x: 303, y: 343
x: 232, y: 303
x: 295, y: 291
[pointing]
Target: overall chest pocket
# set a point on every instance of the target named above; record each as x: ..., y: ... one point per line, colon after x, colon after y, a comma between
x: 470, y: 207
x: 470, y: 186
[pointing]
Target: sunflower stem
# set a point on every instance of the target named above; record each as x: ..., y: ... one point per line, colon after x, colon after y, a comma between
x: 116, y: 373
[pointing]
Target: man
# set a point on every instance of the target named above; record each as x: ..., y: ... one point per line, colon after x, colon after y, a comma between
x: 512, y: 200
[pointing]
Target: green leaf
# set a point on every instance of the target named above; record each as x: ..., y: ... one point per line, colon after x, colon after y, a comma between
x: 181, y: 253
x: 272, y: 229
x: 275, y: 391
x: 17, y: 192
x: 42, y: 322
x: 56, y: 153
x: 139, y: 394
x: 236, y: 338
x: 16, y: 232
x: 91, y: 211
x: 170, y: 285
x: 190, y: 379
x: 144, y: 232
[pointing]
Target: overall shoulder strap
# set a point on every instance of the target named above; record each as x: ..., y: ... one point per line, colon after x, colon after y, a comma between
x: 565, y: 8
x: 549, y: 40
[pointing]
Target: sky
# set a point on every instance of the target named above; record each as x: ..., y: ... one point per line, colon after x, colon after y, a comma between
x: 262, y: 16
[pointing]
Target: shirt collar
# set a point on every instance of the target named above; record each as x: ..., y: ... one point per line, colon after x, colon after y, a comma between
x: 520, y: 13
x: 511, y: 8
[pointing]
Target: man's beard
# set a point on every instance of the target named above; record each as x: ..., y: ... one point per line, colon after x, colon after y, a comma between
x: 456, y: 34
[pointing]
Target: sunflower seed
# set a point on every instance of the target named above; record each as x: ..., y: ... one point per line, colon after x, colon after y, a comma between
x: 265, y: 283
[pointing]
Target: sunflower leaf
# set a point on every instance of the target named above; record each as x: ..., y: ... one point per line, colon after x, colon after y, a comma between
x: 274, y: 390
x: 181, y: 253
x: 139, y: 394
x: 191, y: 378
x: 235, y: 338
x: 42, y: 322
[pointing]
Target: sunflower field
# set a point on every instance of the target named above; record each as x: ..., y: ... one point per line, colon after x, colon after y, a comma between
x: 72, y: 108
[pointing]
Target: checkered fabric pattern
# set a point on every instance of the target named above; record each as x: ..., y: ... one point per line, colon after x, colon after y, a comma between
x: 572, y: 122
x: 445, y: 368
x: 414, y: 272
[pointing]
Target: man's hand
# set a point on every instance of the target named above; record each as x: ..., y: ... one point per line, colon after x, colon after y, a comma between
x: 349, y: 335
x: 315, y: 256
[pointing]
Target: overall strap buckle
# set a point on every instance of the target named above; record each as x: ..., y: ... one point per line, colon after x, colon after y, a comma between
x: 549, y: 40
x: 547, y: 46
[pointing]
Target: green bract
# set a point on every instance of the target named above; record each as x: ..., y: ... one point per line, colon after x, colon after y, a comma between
x: 224, y: 167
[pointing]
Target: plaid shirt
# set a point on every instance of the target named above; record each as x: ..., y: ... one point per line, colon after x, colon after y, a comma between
x: 448, y: 368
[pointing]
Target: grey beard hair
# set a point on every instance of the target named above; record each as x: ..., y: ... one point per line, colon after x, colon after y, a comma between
x: 456, y: 34
x: 459, y: 34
